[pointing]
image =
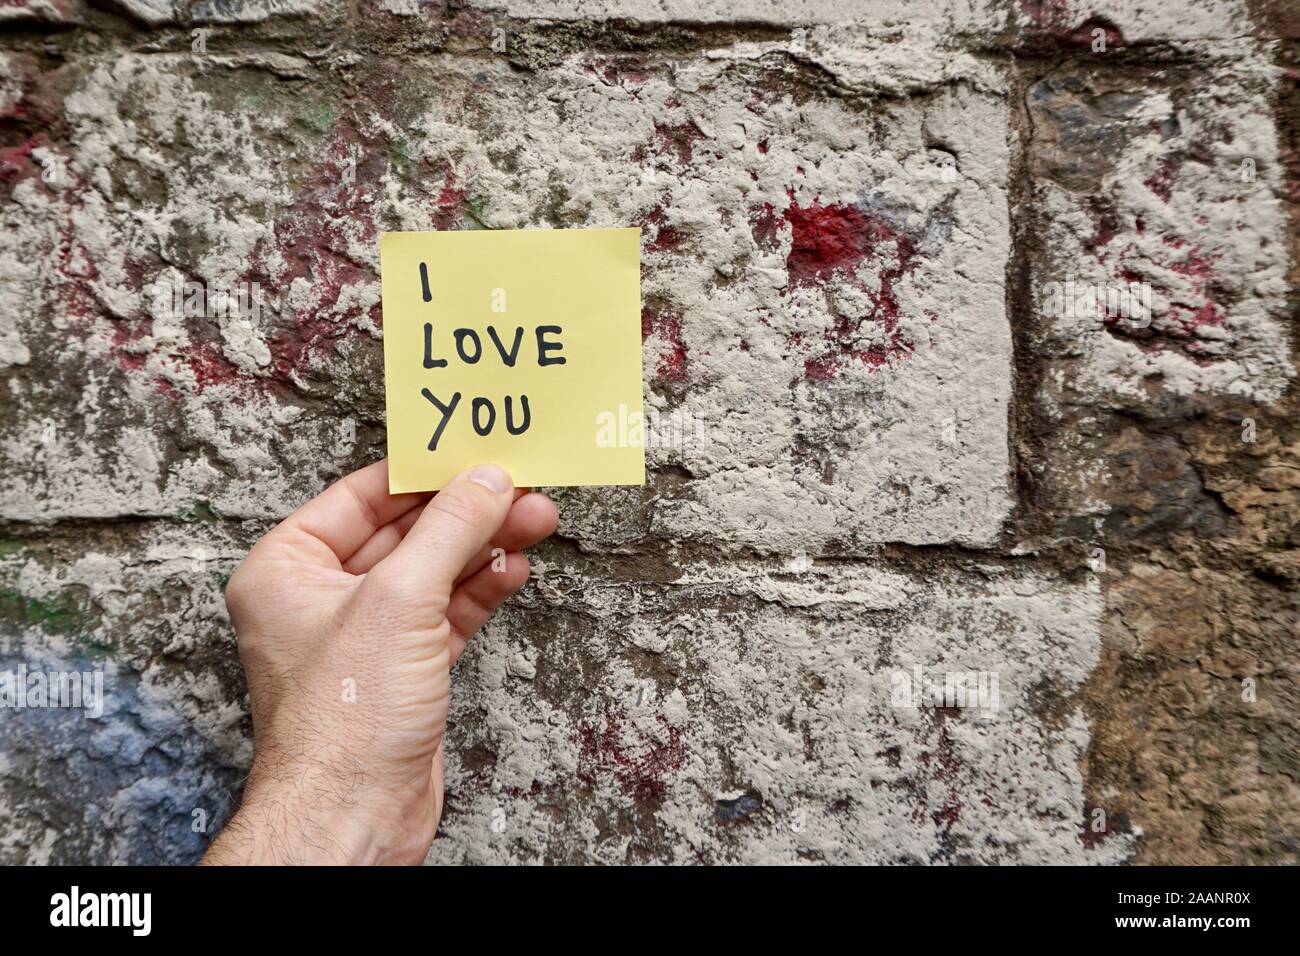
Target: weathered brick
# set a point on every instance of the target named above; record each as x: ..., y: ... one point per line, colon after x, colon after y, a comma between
x: 788, y: 688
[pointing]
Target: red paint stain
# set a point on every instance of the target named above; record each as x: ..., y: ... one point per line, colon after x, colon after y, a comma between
x: 666, y: 326
x: 1161, y: 182
x: 127, y: 348
x: 1041, y: 11
x: 765, y: 225
x: 448, y: 207
x: 1191, y: 307
x: 825, y: 367
x: 1086, y: 35
x: 74, y: 291
x: 626, y: 73
x: 666, y: 237
x: 1105, y: 227
x: 677, y: 140
x: 17, y: 162
x: 1289, y: 157
x: 1054, y: 17
x: 642, y: 766
x: 314, y: 243
x: 1199, y: 268
x: 467, y: 23
x: 1112, y: 825
x: 209, y: 365
x: 835, y: 240
x: 166, y: 389
x: 825, y: 240
x: 942, y: 767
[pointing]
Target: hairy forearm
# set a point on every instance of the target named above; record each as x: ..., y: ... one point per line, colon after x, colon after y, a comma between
x: 308, y: 817
x: 272, y: 832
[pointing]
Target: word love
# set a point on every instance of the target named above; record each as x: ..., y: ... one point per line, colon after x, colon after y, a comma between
x: 470, y: 355
x: 468, y: 346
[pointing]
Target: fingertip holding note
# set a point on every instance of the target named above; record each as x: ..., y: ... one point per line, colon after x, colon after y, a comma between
x: 512, y: 346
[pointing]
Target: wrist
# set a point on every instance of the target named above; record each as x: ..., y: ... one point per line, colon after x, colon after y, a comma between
x: 306, y: 816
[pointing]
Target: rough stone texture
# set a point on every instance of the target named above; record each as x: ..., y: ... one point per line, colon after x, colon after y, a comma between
x: 853, y: 216
x: 45, y: 11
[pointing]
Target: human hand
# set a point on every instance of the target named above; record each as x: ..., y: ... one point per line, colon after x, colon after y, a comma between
x: 350, y: 614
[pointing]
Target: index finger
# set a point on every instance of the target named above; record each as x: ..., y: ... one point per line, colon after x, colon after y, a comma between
x: 348, y: 512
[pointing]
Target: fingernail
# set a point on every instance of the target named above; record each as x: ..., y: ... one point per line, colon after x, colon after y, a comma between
x: 492, y: 478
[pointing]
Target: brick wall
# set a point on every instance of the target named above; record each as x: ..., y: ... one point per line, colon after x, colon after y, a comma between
x: 969, y: 327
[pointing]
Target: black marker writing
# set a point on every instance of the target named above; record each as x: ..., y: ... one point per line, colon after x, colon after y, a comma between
x: 492, y: 416
x: 446, y: 415
x: 509, y: 359
x: 510, y: 417
x: 469, y: 349
x: 429, y: 360
x: 463, y: 334
x: 543, y: 346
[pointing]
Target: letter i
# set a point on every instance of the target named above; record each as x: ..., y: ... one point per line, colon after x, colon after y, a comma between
x: 424, y: 282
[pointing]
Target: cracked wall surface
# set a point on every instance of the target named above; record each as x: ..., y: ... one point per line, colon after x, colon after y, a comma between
x: 896, y: 452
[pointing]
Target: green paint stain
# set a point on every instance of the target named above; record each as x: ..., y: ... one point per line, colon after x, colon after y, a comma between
x: 476, y: 211
x: 10, y: 546
x: 197, y: 511
x: 319, y: 115
x: 58, y: 615
x: 399, y: 151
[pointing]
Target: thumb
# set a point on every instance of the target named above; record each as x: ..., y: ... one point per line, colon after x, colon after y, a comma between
x: 454, y: 527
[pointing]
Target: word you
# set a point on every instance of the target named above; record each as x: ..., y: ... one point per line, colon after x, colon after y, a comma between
x: 1130, y: 301
x: 977, y: 690
x: 24, y: 690
x: 468, y: 348
x: 75, y: 908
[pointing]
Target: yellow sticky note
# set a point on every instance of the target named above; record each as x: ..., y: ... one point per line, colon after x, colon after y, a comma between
x: 520, y: 348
